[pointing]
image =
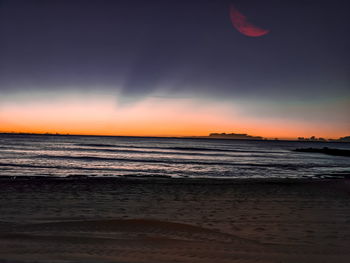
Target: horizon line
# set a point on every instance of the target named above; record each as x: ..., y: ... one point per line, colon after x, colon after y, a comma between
x: 169, y: 136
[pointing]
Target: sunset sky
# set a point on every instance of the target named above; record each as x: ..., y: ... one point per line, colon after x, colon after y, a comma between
x: 175, y: 67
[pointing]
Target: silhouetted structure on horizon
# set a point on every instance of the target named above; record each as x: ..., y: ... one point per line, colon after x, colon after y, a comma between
x: 237, y: 136
x: 344, y: 139
x: 314, y: 139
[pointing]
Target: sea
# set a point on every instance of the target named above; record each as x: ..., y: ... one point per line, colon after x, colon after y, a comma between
x: 144, y: 157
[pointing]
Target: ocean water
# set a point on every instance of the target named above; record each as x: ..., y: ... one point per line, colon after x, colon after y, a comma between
x: 93, y: 156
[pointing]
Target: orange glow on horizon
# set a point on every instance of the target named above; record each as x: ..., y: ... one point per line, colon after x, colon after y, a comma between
x: 150, y: 117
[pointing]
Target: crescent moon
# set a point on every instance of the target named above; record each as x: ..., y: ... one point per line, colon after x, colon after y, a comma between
x: 240, y: 22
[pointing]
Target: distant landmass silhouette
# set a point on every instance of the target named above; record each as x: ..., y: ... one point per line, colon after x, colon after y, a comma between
x: 343, y: 139
x: 314, y: 139
x: 238, y: 136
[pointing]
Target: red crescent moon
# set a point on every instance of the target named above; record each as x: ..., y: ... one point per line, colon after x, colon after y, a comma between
x: 240, y: 22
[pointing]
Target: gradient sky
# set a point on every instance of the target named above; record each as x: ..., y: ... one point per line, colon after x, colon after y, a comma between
x: 175, y: 67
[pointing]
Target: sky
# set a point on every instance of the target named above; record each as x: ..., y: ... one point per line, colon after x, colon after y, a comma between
x: 175, y: 67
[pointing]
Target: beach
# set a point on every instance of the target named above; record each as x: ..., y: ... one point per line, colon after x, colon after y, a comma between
x: 174, y: 220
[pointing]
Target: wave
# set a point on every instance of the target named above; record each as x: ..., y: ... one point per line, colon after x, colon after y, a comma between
x: 67, y: 168
x: 137, y: 177
x: 200, y: 151
x: 95, y: 158
x: 184, y: 162
x: 163, y: 171
x: 208, y: 149
x: 141, y: 151
x: 43, y: 166
x: 153, y: 147
x: 96, y: 145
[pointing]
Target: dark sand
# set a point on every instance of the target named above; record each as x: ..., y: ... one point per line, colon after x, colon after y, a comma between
x: 162, y: 220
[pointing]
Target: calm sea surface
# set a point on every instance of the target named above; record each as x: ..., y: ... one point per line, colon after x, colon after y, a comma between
x: 42, y: 155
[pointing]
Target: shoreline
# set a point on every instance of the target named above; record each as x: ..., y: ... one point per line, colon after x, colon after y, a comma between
x: 172, y: 180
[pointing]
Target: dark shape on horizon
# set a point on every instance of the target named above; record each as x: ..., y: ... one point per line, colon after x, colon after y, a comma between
x: 344, y: 139
x: 236, y: 136
x: 325, y: 150
x: 314, y: 139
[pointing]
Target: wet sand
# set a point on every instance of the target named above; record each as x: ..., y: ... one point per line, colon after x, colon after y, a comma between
x: 162, y: 220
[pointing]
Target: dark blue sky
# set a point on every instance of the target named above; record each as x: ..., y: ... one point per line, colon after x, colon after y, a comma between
x: 189, y: 45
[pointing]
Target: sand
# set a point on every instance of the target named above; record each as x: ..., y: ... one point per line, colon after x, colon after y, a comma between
x: 162, y: 220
